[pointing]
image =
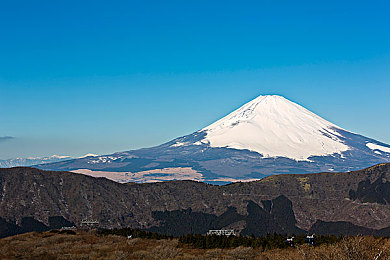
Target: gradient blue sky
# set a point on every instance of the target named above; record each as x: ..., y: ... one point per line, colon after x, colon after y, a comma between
x: 81, y: 77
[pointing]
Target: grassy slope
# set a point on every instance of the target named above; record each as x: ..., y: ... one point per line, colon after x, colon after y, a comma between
x: 85, y: 245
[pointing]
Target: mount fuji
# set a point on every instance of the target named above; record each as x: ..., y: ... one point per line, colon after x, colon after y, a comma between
x: 268, y: 135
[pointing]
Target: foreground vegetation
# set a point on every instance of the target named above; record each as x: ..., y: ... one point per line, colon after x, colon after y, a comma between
x: 92, y: 245
x: 271, y: 241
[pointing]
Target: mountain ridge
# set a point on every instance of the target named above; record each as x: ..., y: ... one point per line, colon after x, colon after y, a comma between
x: 330, y: 197
x: 283, y: 137
x: 29, y: 161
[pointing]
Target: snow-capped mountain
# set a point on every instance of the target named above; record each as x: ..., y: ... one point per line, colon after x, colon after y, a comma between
x: 276, y: 127
x: 32, y: 161
x: 29, y: 161
x: 268, y: 135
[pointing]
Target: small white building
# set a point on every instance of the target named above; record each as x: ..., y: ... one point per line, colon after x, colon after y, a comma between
x: 222, y: 232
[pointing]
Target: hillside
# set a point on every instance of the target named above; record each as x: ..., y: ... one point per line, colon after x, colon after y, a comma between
x: 83, y: 245
x: 287, y: 203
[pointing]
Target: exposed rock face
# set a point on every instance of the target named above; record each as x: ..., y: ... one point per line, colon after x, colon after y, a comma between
x: 288, y: 203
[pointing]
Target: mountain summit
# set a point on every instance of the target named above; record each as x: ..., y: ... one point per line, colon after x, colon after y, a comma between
x: 268, y: 135
x: 276, y: 127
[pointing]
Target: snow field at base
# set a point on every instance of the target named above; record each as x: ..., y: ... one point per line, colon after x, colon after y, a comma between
x: 378, y: 147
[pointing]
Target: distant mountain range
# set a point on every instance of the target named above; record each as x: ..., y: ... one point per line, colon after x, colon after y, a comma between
x: 32, y: 161
x: 324, y: 203
x: 29, y: 161
x: 268, y: 135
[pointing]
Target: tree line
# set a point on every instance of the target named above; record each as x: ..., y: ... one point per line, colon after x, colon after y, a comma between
x: 270, y: 241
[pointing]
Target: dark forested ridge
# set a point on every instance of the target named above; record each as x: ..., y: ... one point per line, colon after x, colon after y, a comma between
x: 29, y: 224
x: 355, y: 202
x: 259, y: 221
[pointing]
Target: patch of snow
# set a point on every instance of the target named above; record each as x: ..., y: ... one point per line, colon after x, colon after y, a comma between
x: 89, y: 155
x: 59, y: 156
x: 378, y: 147
x: 102, y: 159
x: 47, y: 158
x: 201, y: 142
x: 179, y: 144
x: 276, y: 127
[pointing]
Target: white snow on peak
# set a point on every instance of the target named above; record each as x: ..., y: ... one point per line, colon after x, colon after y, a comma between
x: 378, y: 147
x: 276, y: 127
x: 59, y: 156
x: 48, y: 157
x: 89, y: 155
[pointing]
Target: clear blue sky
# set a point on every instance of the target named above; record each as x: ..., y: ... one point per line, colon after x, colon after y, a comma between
x: 82, y: 77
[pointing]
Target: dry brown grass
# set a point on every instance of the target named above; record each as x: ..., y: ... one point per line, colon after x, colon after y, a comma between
x: 91, y: 246
x: 355, y: 248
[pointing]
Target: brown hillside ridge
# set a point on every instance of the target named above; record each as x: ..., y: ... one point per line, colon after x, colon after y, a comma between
x: 360, y: 197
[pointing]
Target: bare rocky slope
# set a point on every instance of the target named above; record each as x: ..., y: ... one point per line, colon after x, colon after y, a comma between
x: 357, y: 200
